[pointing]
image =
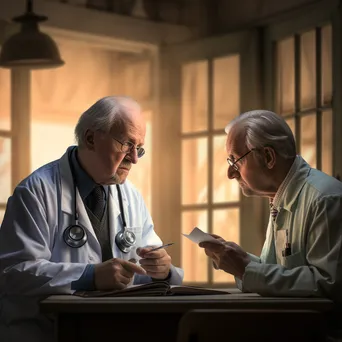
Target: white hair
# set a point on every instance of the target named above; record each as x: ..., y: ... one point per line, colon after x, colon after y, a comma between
x: 264, y: 128
x: 102, y: 115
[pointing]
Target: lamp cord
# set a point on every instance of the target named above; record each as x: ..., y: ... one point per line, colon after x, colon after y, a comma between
x: 29, y: 6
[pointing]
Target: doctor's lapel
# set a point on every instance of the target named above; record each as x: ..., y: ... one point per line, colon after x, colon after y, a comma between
x: 115, y: 222
x: 68, y: 200
x: 83, y: 217
x: 268, y: 254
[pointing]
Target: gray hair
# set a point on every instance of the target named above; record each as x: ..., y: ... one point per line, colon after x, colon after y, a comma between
x: 264, y: 128
x: 102, y: 115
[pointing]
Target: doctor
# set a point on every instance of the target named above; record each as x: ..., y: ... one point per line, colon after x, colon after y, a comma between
x: 77, y: 224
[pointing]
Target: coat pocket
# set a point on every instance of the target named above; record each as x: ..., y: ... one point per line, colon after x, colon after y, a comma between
x: 293, y: 260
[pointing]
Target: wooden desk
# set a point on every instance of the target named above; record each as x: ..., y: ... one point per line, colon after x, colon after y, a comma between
x: 156, y: 318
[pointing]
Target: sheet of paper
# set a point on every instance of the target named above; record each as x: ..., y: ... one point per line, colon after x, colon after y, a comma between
x: 197, y: 236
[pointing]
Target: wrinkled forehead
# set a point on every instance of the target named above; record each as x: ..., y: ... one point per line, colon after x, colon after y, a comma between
x: 235, y: 142
x: 131, y: 121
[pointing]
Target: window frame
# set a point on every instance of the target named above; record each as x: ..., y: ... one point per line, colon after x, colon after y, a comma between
x: 167, y: 204
x: 308, y: 18
x: 4, y: 133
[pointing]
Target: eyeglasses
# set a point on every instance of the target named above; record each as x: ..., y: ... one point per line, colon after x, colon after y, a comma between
x: 127, y: 147
x: 234, y: 163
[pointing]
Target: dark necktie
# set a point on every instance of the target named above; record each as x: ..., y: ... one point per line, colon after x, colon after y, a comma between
x: 97, y: 201
x: 274, y: 211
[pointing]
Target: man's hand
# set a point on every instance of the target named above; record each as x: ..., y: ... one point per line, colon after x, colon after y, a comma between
x: 227, y: 256
x: 157, y: 263
x: 214, y: 256
x: 115, y: 274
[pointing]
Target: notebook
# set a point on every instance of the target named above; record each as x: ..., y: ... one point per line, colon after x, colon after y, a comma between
x: 160, y: 288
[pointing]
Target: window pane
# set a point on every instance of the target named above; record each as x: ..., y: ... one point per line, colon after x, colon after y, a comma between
x: 5, y: 99
x: 226, y: 223
x: 327, y: 146
x: 195, y: 97
x: 308, y: 139
x: 194, y: 171
x: 308, y: 70
x: 49, y: 141
x: 5, y: 169
x: 285, y: 76
x: 194, y: 259
x: 292, y: 124
x: 326, y: 65
x: 224, y: 190
x: 226, y: 90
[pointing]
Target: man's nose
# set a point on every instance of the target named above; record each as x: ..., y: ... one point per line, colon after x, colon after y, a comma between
x: 232, y: 173
x: 133, y: 155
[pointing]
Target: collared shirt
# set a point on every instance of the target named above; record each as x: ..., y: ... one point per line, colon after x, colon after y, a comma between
x: 310, y: 210
x: 289, y: 177
x: 85, y: 184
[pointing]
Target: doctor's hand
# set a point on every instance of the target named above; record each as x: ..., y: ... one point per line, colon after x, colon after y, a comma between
x: 115, y: 274
x: 228, y: 256
x: 157, y: 263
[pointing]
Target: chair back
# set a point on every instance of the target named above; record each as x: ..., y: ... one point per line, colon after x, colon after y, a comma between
x: 251, y: 325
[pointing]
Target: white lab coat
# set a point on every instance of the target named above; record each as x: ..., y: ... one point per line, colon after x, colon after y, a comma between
x: 34, y: 259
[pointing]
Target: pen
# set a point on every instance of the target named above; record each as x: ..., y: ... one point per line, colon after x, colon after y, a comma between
x: 287, y: 251
x: 160, y: 247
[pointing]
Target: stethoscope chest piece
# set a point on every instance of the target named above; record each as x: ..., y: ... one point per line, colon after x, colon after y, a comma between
x: 75, y: 236
x: 125, y: 240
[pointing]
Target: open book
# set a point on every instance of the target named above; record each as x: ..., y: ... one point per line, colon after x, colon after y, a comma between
x: 160, y: 288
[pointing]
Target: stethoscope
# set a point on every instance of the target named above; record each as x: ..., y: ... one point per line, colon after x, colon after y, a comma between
x: 75, y: 235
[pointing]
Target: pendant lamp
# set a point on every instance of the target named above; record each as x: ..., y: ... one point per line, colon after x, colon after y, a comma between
x: 30, y: 48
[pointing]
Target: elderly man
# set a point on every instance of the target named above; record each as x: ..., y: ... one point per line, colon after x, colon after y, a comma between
x: 302, y: 254
x: 77, y: 224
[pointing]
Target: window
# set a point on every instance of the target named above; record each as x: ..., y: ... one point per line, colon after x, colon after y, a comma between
x: 304, y: 92
x: 5, y: 139
x: 201, y: 85
x: 210, y: 99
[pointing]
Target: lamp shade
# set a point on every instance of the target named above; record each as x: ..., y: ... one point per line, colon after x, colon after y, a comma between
x: 30, y: 47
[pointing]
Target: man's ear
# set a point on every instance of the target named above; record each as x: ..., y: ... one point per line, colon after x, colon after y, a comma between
x: 270, y: 157
x: 89, y: 139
